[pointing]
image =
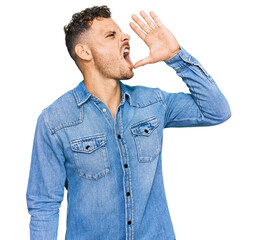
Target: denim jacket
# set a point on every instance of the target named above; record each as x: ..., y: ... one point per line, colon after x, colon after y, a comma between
x: 112, y: 167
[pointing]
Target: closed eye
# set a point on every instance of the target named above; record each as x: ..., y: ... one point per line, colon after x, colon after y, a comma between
x: 112, y: 34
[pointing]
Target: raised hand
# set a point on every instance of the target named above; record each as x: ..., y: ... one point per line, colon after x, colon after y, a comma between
x: 161, y: 42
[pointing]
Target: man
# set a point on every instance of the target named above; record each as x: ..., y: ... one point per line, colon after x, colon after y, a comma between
x: 102, y: 140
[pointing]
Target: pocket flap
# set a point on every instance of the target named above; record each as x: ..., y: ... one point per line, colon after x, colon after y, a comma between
x: 88, y: 144
x: 145, y: 127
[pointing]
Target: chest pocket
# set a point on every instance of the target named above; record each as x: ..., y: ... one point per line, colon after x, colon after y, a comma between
x: 147, y: 139
x: 91, y: 156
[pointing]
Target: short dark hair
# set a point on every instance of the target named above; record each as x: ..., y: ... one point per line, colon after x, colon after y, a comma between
x: 80, y: 22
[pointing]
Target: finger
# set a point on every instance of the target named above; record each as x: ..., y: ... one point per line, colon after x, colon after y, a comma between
x: 138, y: 31
x: 156, y: 19
x: 142, y: 62
x: 140, y: 23
x: 148, y: 20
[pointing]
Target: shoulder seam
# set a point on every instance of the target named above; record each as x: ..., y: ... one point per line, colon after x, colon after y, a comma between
x: 63, y: 125
x: 47, y: 125
x: 160, y: 96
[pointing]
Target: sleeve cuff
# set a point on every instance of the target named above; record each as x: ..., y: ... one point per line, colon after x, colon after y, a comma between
x: 181, y: 60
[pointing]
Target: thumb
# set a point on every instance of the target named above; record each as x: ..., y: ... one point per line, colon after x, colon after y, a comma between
x: 143, y: 62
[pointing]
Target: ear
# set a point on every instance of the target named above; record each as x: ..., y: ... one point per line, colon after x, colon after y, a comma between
x: 83, y: 52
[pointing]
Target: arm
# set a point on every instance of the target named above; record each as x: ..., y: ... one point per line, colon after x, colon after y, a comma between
x: 46, y: 183
x: 206, y: 105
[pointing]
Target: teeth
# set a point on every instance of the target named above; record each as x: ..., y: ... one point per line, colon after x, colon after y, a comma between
x: 126, y: 51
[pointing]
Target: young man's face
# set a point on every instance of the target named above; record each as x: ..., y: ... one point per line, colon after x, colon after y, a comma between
x: 108, y: 43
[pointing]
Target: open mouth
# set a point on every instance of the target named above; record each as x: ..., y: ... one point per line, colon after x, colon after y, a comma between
x: 126, y: 56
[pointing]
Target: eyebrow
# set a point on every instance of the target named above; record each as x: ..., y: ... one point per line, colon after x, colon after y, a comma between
x: 110, y: 32
x: 114, y: 32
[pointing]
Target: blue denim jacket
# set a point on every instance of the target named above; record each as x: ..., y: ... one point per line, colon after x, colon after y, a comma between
x: 112, y: 168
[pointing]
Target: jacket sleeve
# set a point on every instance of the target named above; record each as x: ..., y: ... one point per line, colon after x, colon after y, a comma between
x: 46, y: 183
x: 205, y: 105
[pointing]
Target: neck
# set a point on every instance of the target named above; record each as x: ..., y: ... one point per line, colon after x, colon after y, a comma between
x: 106, y: 89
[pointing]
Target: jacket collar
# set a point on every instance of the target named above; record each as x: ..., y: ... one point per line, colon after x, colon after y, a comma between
x: 82, y: 94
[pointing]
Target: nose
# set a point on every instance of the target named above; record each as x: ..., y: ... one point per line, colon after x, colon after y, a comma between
x: 124, y: 37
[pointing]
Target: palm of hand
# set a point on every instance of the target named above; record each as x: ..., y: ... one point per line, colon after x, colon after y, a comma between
x: 161, y: 42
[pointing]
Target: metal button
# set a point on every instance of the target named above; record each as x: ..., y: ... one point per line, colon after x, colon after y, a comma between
x: 104, y: 109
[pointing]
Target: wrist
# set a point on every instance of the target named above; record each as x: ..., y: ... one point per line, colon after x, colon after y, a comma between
x: 174, y: 53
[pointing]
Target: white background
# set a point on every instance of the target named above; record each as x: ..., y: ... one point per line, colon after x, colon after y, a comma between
x: 210, y: 173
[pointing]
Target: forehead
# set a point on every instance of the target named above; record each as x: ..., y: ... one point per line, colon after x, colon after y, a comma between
x: 103, y: 25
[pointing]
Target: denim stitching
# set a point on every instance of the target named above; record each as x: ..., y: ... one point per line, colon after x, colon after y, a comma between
x: 107, y: 168
x: 162, y: 100
x: 150, y: 119
x: 76, y: 96
x: 132, y: 202
x: 63, y: 125
x: 131, y: 190
x: 164, y: 105
x: 100, y: 136
x: 79, y: 103
x: 47, y: 125
x: 146, y: 104
x: 105, y: 116
x: 140, y: 156
x: 148, y: 159
x: 178, y: 70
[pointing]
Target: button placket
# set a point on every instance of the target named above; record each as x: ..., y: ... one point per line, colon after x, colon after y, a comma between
x: 127, y: 187
x: 104, y: 110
